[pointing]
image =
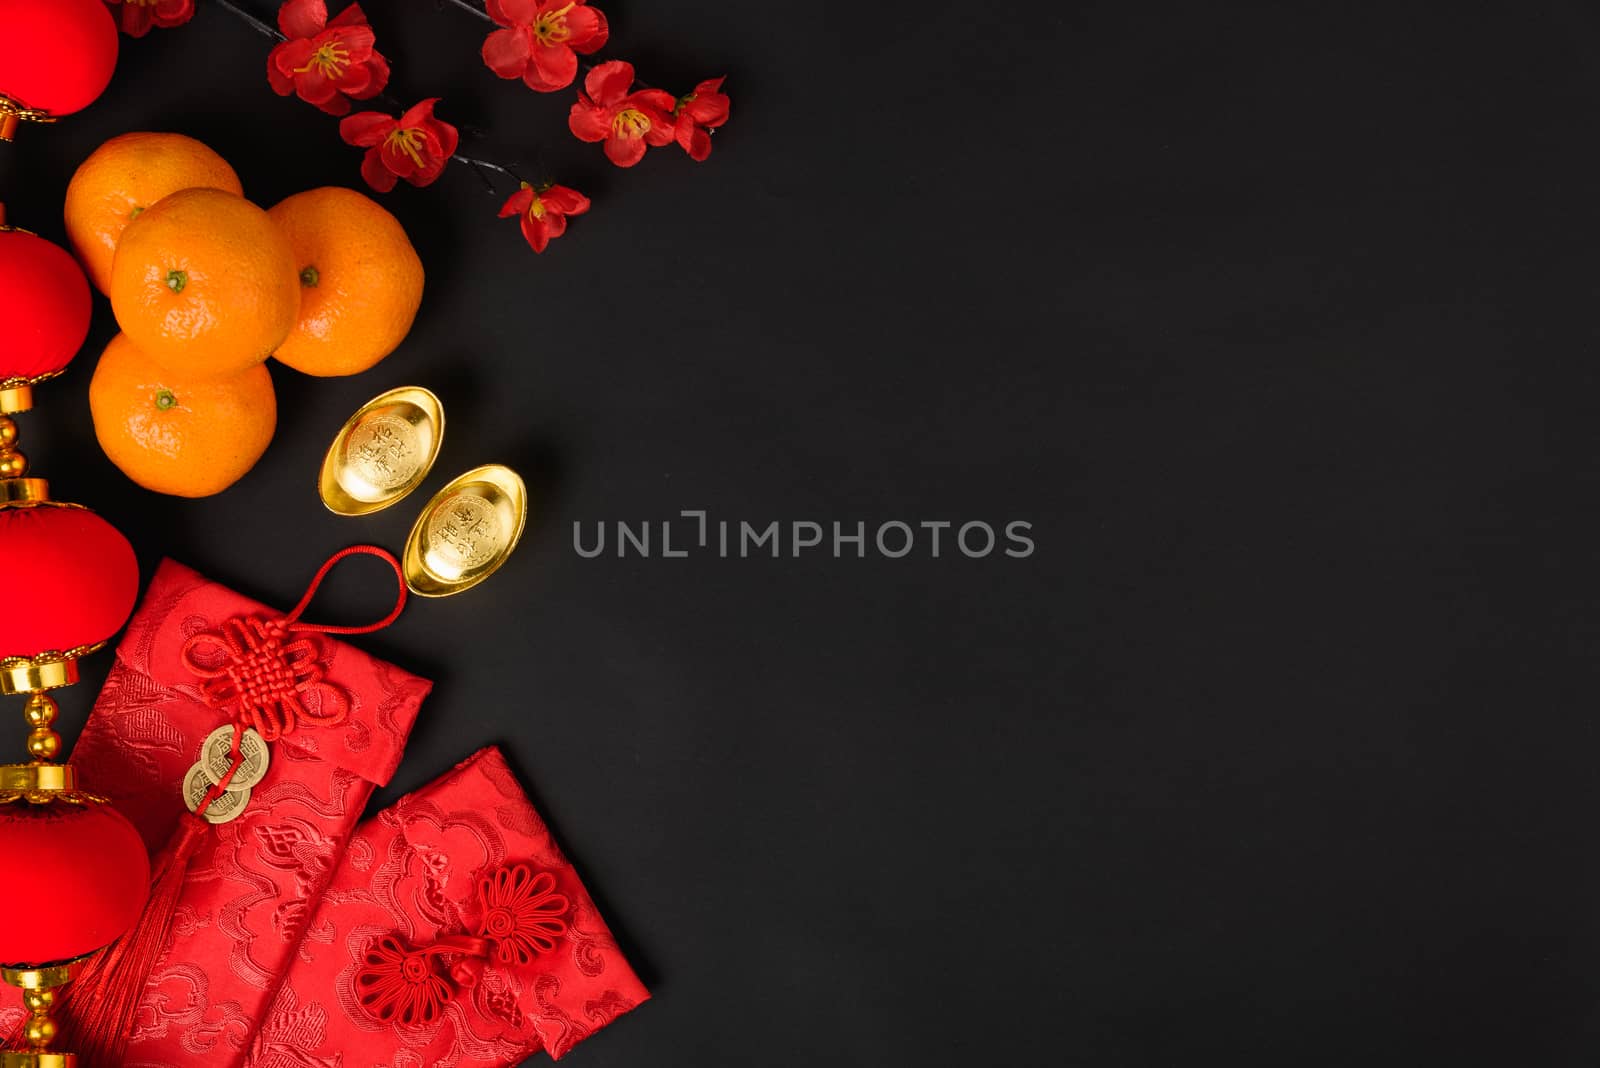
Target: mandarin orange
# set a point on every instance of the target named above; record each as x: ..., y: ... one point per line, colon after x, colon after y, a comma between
x: 175, y: 433
x: 204, y: 283
x: 360, y: 279
x: 125, y: 176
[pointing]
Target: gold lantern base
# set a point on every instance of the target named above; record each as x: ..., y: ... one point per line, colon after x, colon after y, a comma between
x: 42, y: 782
x: 37, y: 1059
x: 12, y: 114
x: 38, y: 986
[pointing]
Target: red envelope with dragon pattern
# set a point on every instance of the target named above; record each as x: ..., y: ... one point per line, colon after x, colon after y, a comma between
x: 453, y: 934
x: 254, y: 881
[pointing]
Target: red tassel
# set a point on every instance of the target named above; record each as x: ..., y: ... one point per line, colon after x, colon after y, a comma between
x: 100, y: 1002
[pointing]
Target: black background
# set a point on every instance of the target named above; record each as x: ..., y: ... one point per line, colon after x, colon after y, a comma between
x: 1278, y: 327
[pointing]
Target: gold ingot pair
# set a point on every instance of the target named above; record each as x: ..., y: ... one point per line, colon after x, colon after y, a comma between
x: 468, y: 528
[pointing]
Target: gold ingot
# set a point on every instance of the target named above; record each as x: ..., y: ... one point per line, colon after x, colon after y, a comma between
x: 466, y: 531
x: 382, y: 452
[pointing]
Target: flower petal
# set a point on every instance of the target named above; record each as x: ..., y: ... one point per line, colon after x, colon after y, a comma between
x: 662, y: 130
x: 557, y: 65
x: 136, y: 20
x: 513, y: 12
x: 608, y: 83
x: 378, y: 72
x: 337, y: 104
x: 315, y: 87
x: 291, y: 55
x: 652, y: 99
x: 302, y: 18
x: 366, y: 128
x: 566, y: 201
x: 282, y: 84
x: 356, y: 79
x: 419, y: 114
x: 708, y: 108
x: 507, y: 52
x: 357, y: 40
x: 350, y: 16
x: 588, y: 29
x: 624, y: 151
x: 536, y: 231
x: 170, y: 13
x: 377, y: 175
x: 449, y: 137
x: 555, y: 223
x: 518, y: 201
x: 587, y: 122
x: 694, y: 140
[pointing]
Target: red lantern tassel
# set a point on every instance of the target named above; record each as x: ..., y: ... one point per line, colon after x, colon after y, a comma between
x: 101, y: 1001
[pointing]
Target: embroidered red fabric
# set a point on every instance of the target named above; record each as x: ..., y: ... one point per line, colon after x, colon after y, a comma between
x: 453, y: 933
x: 519, y: 917
x: 252, y: 882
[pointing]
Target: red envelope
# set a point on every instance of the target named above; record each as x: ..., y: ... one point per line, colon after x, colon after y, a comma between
x: 454, y: 934
x: 254, y: 881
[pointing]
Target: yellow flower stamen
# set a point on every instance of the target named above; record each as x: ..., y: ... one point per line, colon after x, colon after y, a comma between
x: 630, y: 123
x: 405, y: 142
x: 551, y: 27
x: 536, y: 208
x: 329, y: 60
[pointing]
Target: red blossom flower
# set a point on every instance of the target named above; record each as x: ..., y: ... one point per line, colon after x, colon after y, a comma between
x: 626, y: 122
x: 136, y: 17
x: 539, y: 40
x: 704, y: 108
x: 327, y: 62
x: 544, y: 211
x: 416, y: 146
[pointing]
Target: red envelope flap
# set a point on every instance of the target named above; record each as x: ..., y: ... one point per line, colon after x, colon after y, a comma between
x: 566, y: 993
x: 383, y: 699
x: 406, y: 899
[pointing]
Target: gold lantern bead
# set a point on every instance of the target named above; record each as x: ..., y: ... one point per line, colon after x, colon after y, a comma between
x: 40, y: 711
x: 40, y: 1031
x: 43, y: 743
x: 8, y: 432
x: 13, y: 464
x: 39, y: 1002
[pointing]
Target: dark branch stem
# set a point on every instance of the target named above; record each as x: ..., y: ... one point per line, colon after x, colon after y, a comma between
x: 472, y: 8
x: 255, y: 23
x: 480, y: 165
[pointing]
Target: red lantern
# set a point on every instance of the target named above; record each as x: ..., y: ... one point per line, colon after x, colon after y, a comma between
x: 44, y: 309
x: 56, y: 57
x: 76, y: 575
x: 87, y: 878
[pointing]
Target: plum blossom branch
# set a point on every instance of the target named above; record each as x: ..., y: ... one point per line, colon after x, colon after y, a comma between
x: 480, y: 167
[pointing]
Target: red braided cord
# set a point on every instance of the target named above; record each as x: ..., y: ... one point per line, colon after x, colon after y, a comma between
x: 387, y: 557
x: 264, y: 675
x: 221, y: 786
